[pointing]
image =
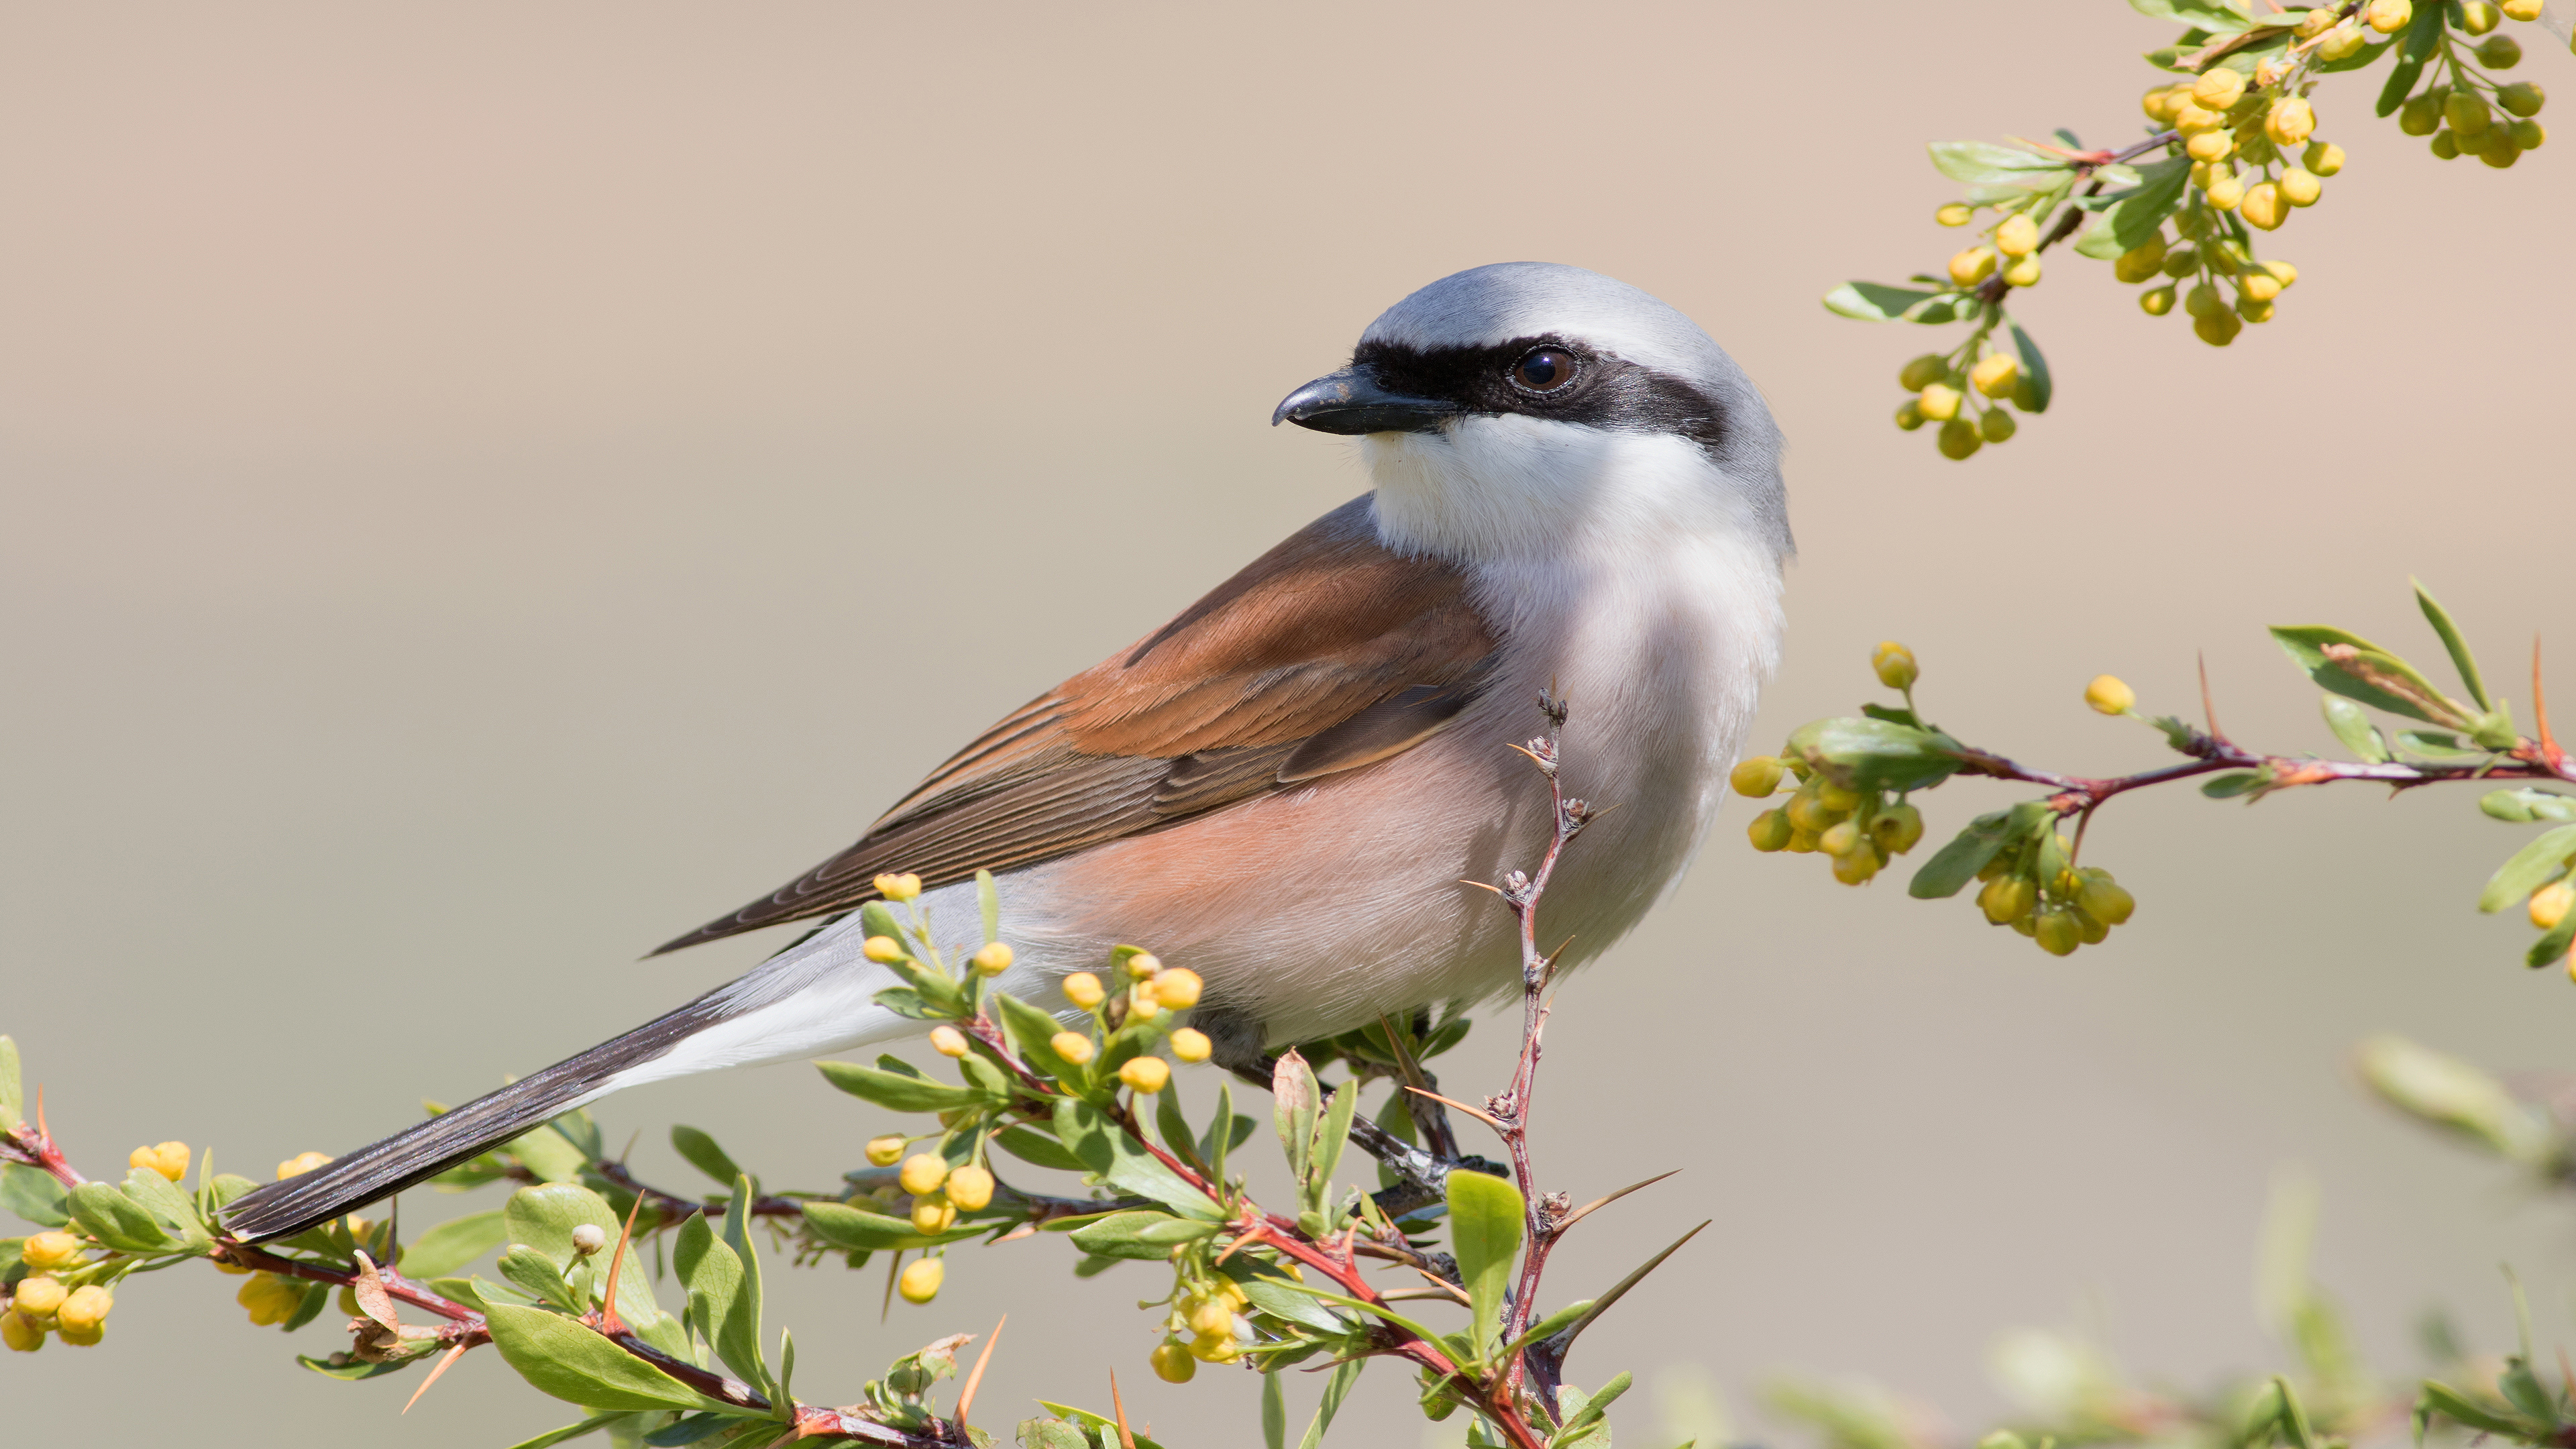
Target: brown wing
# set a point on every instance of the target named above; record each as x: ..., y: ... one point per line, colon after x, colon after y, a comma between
x: 1327, y: 653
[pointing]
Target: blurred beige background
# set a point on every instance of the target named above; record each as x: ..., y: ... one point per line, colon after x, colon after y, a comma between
x: 490, y: 485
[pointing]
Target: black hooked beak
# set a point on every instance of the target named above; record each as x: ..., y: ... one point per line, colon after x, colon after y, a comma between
x: 1350, y: 401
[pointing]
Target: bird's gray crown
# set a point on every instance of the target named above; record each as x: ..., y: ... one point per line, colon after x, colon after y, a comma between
x: 1456, y: 339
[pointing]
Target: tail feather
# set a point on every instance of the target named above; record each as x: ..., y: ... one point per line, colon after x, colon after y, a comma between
x: 283, y: 1209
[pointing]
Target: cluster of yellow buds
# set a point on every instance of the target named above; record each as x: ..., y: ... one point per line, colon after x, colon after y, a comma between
x: 270, y: 1299
x: 43, y: 1304
x: 2076, y: 908
x: 2475, y: 114
x: 1860, y: 830
x: 2227, y: 119
x: 1965, y: 392
x: 1205, y: 1326
x: 170, y: 1159
x: 1147, y: 989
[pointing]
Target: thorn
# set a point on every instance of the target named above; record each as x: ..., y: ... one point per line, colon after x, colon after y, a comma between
x: 2550, y: 754
x: 893, y: 1266
x: 1461, y: 1106
x: 2209, y: 707
x: 975, y: 1377
x: 1118, y: 1406
x: 609, y: 1322
x: 436, y: 1369
x: 43, y: 1132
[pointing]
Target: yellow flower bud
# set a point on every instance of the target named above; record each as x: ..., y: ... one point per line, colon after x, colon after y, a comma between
x: 1141, y: 1004
x: 1179, y: 988
x: 1897, y: 829
x: 933, y: 1213
x: 898, y: 888
x: 2225, y: 192
x: 1770, y: 831
x: 2387, y: 16
x: 923, y: 1172
x: 2467, y: 111
x: 2023, y: 273
x: 2548, y: 907
x: 1213, y: 1318
x: 2191, y: 120
x: 1972, y: 266
x: 2265, y: 207
x: 920, y: 1282
x: 2218, y: 89
x: 1146, y: 1074
x: 885, y: 1151
x: 2444, y: 146
x: 2156, y: 301
x: 39, y: 1297
x: 2108, y: 695
x: 2499, y: 150
x: 2480, y: 16
x: 884, y: 950
x: 2217, y: 328
x: 1960, y: 439
x: 1939, y: 402
x: 1909, y: 415
x: 2341, y: 43
x: 2007, y: 898
x: 1191, y: 1044
x: 1894, y: 665
x: 1955, y: 214
x: 1997, y: 426
x: 588, y: 1238
x: 2522, y: 98
x: 1758, y: 775
x: 993, y: 960
x: 2058, y: 933
x: 2017, y: 236
x: 948, y: 1041
x: 1921, y: 372
x: 170, y: 1159
x: 2300, y: 188
x: 1839, y: 839
x: 2318, y: 21
x: 2104, y: 900
x: 1856, y: 865
x: 1212, y: 1348
x: 22, y: 1335
x: 1142, y: 965
x: 1802, y: 842
x: 2521, y: 9
x: 1084, y: 990
x: 1995, y: 374
x: 1172, y: 1362
x: 1073, y: 1046
x: 50, y: 1250
x: 2211, y: 145
x: 2141, y: 261
x: 2528, y: 135
x: 301, y: 1163
x: 2290, y: 121
x: 87, y: 1308
x: 2260, y: 285
x: 2282, y: 272
x: 970, y: 1188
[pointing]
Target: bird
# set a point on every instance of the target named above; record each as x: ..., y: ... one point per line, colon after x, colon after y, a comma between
x: 1290, y: 787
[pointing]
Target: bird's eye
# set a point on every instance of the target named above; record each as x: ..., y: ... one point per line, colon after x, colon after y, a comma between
x: 1543, y: 369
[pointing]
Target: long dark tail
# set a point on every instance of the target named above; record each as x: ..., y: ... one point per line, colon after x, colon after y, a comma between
x: 282, y: 1209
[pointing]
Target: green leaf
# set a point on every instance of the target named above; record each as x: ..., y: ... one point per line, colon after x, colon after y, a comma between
x: 2033, y: 367
x: 2209, y: 15
x: 845, y: 1226
x: 713, y: 1275
x: 1280, y: 1300
x: 1100, y: 1424
x: 1274, y: 1413
x: 543, y: 1218
x: 2367, y: 673
x: 899, y: 1093
x: 749, y: 1302
x: 1330, y: 1141
x: 1589, y: 1410
x: 2450, y: 1403
x: 989, y: 900
x: 1336, y: 1389
x: 13, y: 1095
x: 1037, y: 1148
x: 1145, y: 1236
x: 1983, y: 163
x: 2527, y: 804
x: 2552, y: 948
x: 32, y: 1193
x: 317, y: 1296
x: 2422, y: 38
x: 2354, y: 728
x: 161, y: 1197
x: 548, y: 1153
x: 1485, y: 1233
x: 1293, y: 1094
x: 353, y: 1370
x: 560, y: 1357
x: 702, y: 1153
x: 2538, y: 863
x: 1875, y: 302
x: 1117, y: 1161
x: 1874, y: 754
x: 1030, y: 1029
x: 2232, y: 784
x: 116, y: 1220
x: 2138, y: 213
x: 2461, y: 658
x: 538, y: 1275
x: 453, y: 1244
x: 1957, y: 863
x: 569, y: 1432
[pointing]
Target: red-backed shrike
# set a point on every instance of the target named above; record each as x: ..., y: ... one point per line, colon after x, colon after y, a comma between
x: 1284, y: 787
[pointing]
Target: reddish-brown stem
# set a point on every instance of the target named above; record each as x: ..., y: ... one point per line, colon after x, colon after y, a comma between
x: 29, y: 1145
x: 2075, y: 793
x: 403, y: 1289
